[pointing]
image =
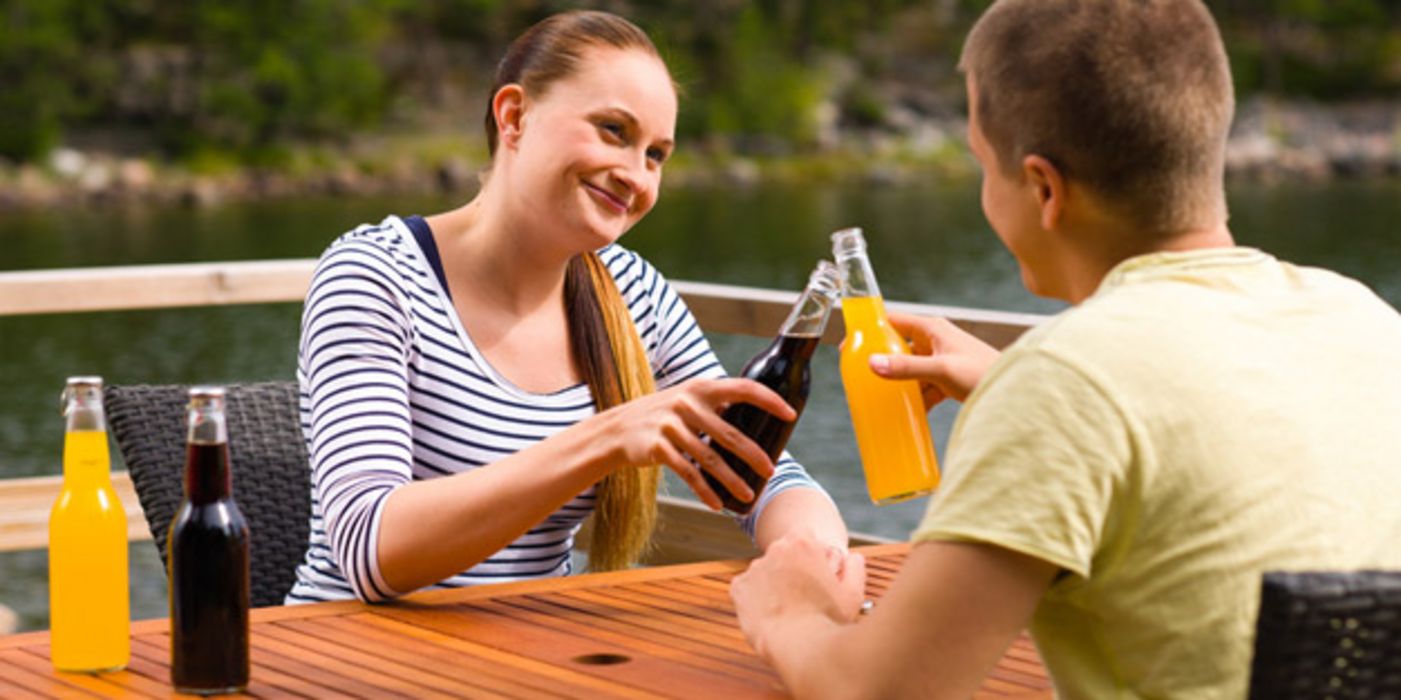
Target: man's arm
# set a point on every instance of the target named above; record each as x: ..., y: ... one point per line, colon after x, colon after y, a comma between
x: 946, y: 620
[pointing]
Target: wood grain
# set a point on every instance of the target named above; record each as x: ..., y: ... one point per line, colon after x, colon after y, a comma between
x: 671, y: 631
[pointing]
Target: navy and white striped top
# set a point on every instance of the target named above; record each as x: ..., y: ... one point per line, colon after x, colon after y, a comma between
x: 393, y: 389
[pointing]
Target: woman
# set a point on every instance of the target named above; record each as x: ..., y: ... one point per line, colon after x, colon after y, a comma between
x: 476, y: 383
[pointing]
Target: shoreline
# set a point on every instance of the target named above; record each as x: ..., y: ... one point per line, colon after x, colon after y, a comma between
x: 1271, y: 141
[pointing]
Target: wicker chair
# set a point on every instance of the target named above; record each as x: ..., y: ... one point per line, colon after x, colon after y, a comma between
x: 271, y: 475
x: 1328, y: 635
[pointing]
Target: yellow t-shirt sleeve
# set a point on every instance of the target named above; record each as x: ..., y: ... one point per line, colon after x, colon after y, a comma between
x: 1038, y: 463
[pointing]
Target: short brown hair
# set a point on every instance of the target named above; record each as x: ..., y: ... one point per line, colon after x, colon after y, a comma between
x: 1132, y: 98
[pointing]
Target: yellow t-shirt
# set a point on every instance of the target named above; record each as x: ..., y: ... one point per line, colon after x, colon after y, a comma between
x: 1204, y: 417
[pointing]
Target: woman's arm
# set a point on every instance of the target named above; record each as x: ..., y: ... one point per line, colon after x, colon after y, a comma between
x: 801, y: 510
x: 391, y: 534
x: 436, y: 528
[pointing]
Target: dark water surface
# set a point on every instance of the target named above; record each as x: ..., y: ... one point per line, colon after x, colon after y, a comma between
x: 928, y: 244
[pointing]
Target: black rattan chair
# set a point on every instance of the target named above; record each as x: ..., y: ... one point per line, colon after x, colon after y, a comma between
x: 1328, y: 635
x: 270, y: 469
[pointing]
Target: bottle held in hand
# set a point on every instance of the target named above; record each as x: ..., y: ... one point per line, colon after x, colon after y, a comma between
x: 892, y: 429
x: 785, y: 367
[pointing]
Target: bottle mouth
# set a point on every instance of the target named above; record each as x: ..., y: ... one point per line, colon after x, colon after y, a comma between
x: 206, y: 397
x: 848, y: 242
x: 826, y: 279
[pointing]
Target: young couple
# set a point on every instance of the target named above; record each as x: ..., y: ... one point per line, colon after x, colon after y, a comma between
x: 477, y: 382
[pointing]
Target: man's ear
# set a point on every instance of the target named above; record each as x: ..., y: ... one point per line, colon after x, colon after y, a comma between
x: 1048, y: 186
x: 508, y: 107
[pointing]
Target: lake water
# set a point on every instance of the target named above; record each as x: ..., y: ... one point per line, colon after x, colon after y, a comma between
x: 928, y: 244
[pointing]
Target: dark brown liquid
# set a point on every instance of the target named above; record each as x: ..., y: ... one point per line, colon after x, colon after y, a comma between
x: 208, y: 559
x: 784, y: 367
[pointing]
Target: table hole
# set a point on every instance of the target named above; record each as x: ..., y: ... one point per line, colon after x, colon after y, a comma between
x: 602, y: 659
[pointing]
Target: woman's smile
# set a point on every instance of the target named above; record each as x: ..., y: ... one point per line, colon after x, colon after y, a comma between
x: 611, y: 201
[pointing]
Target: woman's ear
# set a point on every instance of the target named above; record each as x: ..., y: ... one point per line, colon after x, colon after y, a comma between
x: 508, y: 106
x: 1048, y: 186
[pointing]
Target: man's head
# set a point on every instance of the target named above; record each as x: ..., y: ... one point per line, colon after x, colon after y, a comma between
x: 1130, y: 99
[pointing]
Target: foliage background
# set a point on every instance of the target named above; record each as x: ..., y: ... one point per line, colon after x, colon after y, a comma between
x: 240, y: 80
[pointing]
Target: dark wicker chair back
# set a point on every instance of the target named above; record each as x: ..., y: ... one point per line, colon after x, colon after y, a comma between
x: 271, y: 476
x: 1328, y: 635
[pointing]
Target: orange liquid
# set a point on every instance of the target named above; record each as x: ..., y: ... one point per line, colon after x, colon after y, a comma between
x: 892, y: 431
x: 89, y: 606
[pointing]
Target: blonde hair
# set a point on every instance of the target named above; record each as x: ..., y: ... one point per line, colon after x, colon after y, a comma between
x: 606, y: 348
x: 625, y: 512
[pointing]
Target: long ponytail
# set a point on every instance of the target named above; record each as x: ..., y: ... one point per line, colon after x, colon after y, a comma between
x: 609, y: 355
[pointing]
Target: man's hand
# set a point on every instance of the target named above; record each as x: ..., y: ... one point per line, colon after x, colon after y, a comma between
x: 798, y: 577
x: 948, y: 361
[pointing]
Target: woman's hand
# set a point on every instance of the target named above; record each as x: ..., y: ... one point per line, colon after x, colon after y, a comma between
x: 665, y: 427
x: 948, y: 361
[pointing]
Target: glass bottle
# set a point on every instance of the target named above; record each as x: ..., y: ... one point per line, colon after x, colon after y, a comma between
x: 89, y: 595
x: 207, y: 552
x: 785, y: 367
x: 892, y: 430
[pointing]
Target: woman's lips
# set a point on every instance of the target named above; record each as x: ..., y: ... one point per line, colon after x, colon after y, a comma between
x: 613, y: 201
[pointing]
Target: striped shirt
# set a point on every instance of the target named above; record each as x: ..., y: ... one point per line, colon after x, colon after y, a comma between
x: 392, y: 390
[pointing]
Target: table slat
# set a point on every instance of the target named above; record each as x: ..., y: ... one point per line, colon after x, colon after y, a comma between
x: 674, y: 629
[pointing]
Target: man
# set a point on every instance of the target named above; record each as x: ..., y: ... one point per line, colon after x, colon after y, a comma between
x: 1120, y: 477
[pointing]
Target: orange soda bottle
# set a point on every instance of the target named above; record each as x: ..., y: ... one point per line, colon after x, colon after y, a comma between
x: 89, y: 602
x: 892, y: 430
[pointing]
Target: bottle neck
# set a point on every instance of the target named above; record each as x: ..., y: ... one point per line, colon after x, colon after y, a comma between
x: 858, y: 279
x: 207, y: 476
x: 82, y: 409
x: 207, y: 424
x: 809, y: 315
x: 85, y: 456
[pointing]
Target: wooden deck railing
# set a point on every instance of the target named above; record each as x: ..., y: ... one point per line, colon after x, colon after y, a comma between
x: 690, y: 532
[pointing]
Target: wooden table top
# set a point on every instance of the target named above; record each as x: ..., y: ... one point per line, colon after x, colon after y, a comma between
x: 664, y: 631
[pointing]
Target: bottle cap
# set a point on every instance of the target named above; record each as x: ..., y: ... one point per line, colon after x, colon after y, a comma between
x: 79, y: 387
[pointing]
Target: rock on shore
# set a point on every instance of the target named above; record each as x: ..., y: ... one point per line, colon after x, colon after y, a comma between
x: 1270, y: 141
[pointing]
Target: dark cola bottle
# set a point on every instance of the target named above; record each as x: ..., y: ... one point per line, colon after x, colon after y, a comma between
x: 783, y: 366
x: 207, y: 552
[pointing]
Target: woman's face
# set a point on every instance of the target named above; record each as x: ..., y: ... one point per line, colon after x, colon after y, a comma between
x: 588, y: 156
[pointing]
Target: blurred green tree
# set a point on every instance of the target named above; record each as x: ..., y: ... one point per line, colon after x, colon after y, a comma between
x: 243, y: 78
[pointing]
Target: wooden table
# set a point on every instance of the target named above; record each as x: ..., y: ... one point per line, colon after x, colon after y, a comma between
x: 663, y: 631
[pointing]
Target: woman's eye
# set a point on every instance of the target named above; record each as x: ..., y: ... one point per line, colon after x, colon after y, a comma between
x: 656, y: 155
x: 613, y: 129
